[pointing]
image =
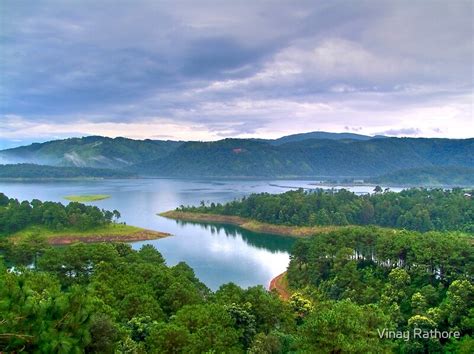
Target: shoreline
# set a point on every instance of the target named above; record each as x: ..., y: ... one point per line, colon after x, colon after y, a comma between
x: 107, y: 233
x: 280, y: 285
x: 143, y: 235
x: 248, y: 224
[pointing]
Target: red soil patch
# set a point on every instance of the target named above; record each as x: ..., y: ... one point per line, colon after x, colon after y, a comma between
x: 279, y: 285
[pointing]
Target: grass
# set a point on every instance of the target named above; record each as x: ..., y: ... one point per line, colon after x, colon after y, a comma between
x: 86, y: 197
x: 117, y: 229
x: 106, y: 233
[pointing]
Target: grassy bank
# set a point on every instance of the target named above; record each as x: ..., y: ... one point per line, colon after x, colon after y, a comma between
x: 107, y: 233
x: 86, y: 198
x: 248, y: 224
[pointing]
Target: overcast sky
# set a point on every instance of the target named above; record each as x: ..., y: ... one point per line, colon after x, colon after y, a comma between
x: 205, y: 70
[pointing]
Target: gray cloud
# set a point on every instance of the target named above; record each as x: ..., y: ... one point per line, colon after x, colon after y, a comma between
x: 238, y: 68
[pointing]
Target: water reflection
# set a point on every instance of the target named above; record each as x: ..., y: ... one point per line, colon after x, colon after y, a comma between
x: 218, y: 253
x: 273, y: 243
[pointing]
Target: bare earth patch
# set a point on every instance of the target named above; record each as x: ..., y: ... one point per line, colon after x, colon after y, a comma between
x: 280, y: 285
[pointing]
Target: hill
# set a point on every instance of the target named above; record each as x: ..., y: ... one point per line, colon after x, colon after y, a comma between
x: 229, y: 157
x: 341, y: 155
x: 91, y: 151
x: 312, y: 157
x: 429, y: 176
x: 321, y: 135
x: 41, y: 171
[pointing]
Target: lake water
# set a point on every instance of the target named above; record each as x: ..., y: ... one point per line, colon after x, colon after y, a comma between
x: 218, y: 253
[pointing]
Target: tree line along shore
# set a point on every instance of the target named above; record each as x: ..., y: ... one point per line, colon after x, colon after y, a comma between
x: 64, y: 224
x: 343, y: 286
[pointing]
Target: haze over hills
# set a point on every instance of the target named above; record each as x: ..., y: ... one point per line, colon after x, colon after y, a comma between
x: 32, y: 171
x: 91, y: 151
x: 104, y: 152
x: 428, y: 176
x: 299, y: 155
x: 312, y: 157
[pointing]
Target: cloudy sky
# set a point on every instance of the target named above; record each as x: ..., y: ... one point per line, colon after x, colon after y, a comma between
x: 205, y: 70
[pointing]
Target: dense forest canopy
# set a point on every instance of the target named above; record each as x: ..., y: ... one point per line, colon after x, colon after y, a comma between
x: 428, y: 176
x: 412, y: 209
x: 416, y: 280
x: 16, y: 215
x: 315, y: 154
x: 348, y: 286
x: 311, y: 157
x: 28, y: 170
x: 90, y: 151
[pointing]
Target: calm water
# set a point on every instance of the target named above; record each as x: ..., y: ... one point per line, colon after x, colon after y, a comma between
x: 218, y: 254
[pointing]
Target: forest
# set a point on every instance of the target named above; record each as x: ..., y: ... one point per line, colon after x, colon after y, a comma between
x: 428, y: 176
x: 16, y: 215
x: 415, y: 280
x: 326, y: 155
x: 415, y: 209
x: 33, y: 171
x: 347, y: 287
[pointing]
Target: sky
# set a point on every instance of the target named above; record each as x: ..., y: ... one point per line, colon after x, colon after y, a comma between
x: 207, y: 70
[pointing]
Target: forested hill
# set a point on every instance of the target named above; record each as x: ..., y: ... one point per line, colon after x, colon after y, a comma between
x: 306, y: 155
x: 429, y: 176
x: 32, y: 171
x: 413, y: 209
x: 312, y: 157
x: 91, y: 151
x: 321, y: 135
x: 402, y: 280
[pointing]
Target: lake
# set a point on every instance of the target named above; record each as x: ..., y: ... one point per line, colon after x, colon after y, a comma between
x: 218, y: 253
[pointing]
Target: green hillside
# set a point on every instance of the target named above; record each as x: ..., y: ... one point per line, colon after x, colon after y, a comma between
x: 337, y: 156
x: 312, y: 157
x: 41, y: 171
x: 91, y: 151
x: 429, y: 176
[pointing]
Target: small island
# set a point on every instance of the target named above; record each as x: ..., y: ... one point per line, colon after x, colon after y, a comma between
x: 59, y: 224
x: 106, y: 233
x: 86, y: 197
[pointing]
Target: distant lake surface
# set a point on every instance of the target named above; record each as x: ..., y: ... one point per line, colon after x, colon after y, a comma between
x: 218, y: 253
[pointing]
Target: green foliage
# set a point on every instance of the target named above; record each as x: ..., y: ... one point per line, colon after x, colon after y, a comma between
x: 33, y: 171
x: 429, y: 176
x: 412, y: 209
x: 409, y: 280
x: 343, y: 327
x: 16, y: 216
x: 91, y: 151
x: 309, y: 157
x: 350, y: 284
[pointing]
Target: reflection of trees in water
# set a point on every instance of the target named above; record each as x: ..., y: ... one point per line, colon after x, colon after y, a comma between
x: 272, y: 243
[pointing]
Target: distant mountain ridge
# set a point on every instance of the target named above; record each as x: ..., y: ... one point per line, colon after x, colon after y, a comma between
x: 323, y: 135
x: 90, y: 151
x: 299, y: 155
x: 428, y: 176
x: 312, y: 157
x: 32, y: 171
